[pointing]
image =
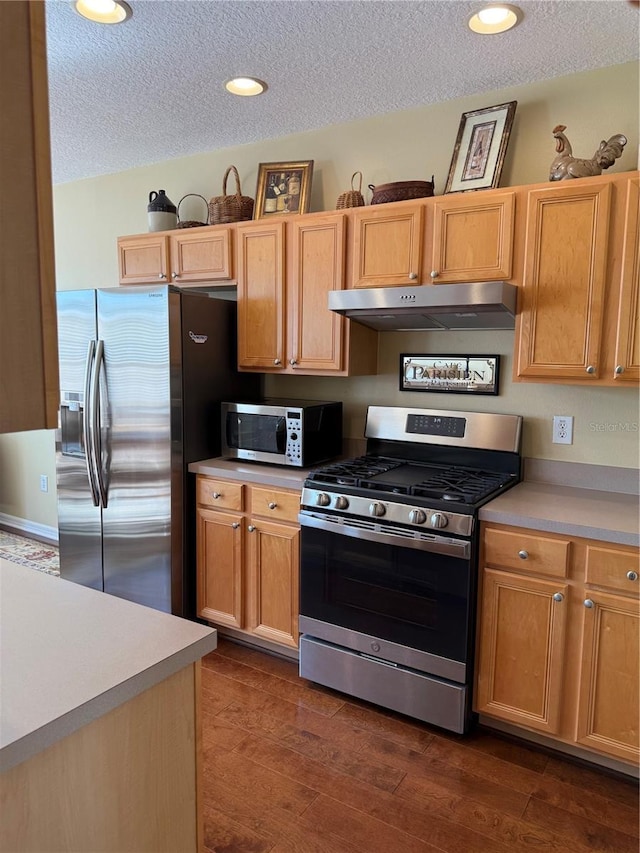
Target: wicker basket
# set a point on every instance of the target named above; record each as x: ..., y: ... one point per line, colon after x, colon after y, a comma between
x: 353, y: 197
x: 230, y: 208
x: 401, y: 191
x: 192, y: 223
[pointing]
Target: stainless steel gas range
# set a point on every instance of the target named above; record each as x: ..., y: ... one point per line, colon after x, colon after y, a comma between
x: 389, y: 559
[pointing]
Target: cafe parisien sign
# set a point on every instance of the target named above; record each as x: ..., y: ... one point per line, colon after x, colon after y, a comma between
x: 456, y: 374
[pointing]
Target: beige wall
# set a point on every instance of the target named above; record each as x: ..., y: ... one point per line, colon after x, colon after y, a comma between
x: 412, y: 144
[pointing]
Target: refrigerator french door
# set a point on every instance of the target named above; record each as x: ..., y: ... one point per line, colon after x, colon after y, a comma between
x: 142, y: 372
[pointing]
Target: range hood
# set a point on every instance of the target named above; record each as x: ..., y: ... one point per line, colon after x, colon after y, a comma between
x: 479, y: 305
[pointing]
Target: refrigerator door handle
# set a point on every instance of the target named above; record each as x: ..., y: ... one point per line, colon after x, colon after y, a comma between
x: 96, y: 424
x: 86, y: 427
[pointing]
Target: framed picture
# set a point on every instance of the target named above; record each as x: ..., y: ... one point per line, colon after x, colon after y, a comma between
x: 453, y: 374
x: 283, y: 188
x: 479, y: 151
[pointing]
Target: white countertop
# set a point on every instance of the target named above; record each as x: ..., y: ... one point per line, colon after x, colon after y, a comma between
x: 69, y: 654
x: 252, y: 472
x: 588, y: 513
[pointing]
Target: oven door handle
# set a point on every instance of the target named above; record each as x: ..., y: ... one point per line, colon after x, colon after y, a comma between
x: 345, y: 527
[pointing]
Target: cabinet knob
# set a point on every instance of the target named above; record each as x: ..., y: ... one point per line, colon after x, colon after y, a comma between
x: 413, y: 276
x: 558, y: 596
x: 588, y: 603
x: 174, y: 275
x: 292, y: 361
x: 590, y: 369
x: 277, y: 361
x: 161, y: 275
x: 619, y: 369
x: 524, y: 555
x: 434, y: 273
x: 632, y: 576
x: 272, y: 505
x: 236, y: 525
x: 251, y: 528
x: 215, y: 495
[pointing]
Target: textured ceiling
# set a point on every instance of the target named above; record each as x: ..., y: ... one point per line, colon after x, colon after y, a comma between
x: 152, y: 89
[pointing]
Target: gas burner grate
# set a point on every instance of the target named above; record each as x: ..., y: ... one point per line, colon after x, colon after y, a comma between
x: 465, y: 485
x: 353, y: 472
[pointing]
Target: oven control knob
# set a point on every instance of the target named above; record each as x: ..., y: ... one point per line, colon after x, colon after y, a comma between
x: 341, y: 502
x: 377, y: 509
x: 417, y: 516
x: 323, y: 499
x: 438, y: 520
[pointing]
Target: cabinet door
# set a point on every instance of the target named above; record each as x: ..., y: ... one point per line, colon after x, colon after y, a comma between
x: 272, y: 578
x: 201, y: 254
x: 219, y: 563
x: 627, y: 364
x: 317, y: 266
x: 144, y: 259
x: 28, y: 330
x: 567, y: 235
x: 608, y: 711
x: 472, y: 238
x: 387, y: 248
x: 522, y: 649
x: 261, y: 296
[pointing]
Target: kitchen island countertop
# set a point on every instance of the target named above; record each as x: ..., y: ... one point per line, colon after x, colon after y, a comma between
x: 587, y: 513
x: 70, y: 654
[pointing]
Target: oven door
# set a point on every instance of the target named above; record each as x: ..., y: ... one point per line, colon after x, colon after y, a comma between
x: 396, y: 594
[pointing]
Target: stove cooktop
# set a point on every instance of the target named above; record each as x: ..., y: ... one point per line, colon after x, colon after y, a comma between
x: 370, y: 474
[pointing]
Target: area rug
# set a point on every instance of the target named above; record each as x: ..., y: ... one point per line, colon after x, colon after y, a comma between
x: 29, y: 553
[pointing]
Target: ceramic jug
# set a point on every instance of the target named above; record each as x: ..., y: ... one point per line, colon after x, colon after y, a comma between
x: 162, y: 213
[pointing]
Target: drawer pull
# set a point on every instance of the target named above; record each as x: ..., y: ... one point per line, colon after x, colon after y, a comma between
x: 632, y: 576
x: 215, y: 495
x: 272, y: 505
x: 236, y: 525
x: 251, y: 528
x: 524, y: 555
x: 588, y: 603
x: 558, y: 596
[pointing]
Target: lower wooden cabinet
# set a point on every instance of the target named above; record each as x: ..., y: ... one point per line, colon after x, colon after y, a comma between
x: 248, y: 560
x: 559, y: 638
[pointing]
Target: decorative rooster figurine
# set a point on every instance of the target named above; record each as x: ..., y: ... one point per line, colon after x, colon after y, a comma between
x: 567, y: 166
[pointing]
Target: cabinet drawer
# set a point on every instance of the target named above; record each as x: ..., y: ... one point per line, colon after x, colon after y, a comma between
x: 612, y: 567
x: 527, y: 553
x: 220, y: 494
x: 274, y: 503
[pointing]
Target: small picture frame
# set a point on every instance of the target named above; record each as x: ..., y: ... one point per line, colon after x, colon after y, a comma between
x: 451, y: 374
x: 283, y: 188
x: 481, y: 145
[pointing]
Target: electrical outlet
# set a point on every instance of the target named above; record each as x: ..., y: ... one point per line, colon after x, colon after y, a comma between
x: 44, y: 483
x: 563, y: 429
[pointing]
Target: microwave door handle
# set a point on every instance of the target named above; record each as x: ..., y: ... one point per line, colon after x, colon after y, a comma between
x: 96, y: 422
x: 86, y: 423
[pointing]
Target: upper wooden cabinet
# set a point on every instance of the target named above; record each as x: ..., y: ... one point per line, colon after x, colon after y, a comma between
x: 387, y: 245
x: 285, y: 272
x: 184, y: 255
x: 472, y: 237
x: 578, y: 320
x: 28, y: 329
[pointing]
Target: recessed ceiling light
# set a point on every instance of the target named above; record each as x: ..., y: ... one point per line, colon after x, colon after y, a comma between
x: 103, y: 11
x: 495, y: 18
x: 245, y: 86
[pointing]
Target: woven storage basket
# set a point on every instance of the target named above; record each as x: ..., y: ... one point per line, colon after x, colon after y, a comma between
x: 230, y: 208
x: 401, y: 191
x: 192, y: 223
x: 353, y: 197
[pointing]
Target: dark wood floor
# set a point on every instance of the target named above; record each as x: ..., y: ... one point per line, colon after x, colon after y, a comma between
x: 290, y: 767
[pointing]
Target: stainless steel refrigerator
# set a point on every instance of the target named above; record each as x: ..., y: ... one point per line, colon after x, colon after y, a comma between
x: 143, y: 371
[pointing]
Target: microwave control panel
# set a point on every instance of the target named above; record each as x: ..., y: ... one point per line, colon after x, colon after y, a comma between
x: 294, y: 440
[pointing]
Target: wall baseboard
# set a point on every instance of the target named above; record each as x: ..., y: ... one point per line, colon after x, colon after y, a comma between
x: 21, y: 525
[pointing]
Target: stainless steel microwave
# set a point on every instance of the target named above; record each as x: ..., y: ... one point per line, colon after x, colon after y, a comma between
x: 283, y: 432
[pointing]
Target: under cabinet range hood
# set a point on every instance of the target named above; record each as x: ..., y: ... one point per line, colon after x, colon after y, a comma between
x: 479, y: 305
